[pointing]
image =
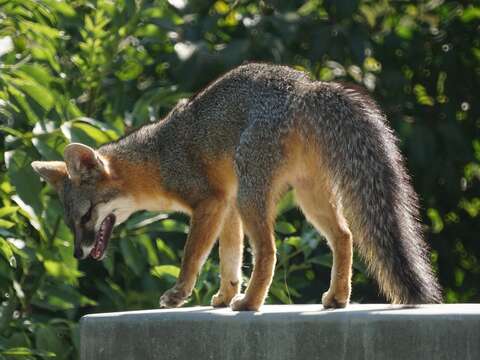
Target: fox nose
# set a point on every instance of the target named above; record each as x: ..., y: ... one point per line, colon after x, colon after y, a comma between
x: 78, y: 253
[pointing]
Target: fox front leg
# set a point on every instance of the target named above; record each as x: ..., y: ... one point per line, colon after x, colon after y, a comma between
x: 231, y: 251
x: 206, y: 222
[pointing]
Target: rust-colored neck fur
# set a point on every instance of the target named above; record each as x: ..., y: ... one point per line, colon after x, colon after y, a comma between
x: 143, y: 183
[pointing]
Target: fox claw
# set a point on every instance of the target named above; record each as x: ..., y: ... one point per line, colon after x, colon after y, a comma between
x: 330, y: 301
x: 224, y: 297
x: 173, y: 298
x: 241, y: 303
x: 219, y: 300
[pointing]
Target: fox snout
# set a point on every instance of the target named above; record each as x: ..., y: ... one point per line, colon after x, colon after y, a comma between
x: 83, y: 242
x: 78, y: 253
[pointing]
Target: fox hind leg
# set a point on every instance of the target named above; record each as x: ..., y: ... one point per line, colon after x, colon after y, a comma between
x: 257, y: 165
x: 323, y: 210
x: 231, y: 251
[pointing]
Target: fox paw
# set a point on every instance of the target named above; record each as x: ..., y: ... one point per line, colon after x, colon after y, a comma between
x: 331, y: 301
x: 241, y: 303
x: 220, y: 300
x: 173, y: 298
x: 225, y: 295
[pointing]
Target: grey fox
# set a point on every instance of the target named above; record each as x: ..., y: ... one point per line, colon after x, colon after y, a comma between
x: 226, y: 155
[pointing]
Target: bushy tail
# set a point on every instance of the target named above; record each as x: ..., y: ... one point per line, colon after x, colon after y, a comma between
x: 378, y: 200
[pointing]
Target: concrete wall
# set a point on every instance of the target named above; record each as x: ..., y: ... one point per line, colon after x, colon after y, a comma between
x: 286, y: 332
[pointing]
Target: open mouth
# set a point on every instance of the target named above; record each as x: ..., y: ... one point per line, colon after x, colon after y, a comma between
x: 102, y: 237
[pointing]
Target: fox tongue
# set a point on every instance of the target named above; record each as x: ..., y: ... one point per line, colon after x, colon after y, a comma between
x: 102, y: 237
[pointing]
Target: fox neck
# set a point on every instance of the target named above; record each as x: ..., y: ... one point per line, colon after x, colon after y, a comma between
x: 140, y: 182
x: 135, y: 163
x: 138, y: 146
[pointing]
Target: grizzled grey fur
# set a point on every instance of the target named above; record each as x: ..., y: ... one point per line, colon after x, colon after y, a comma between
x: 265, y: 102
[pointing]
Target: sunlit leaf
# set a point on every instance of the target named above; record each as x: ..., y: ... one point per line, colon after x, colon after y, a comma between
x: 8, y: 210
x: 21, y: 351
x: 6, y: 224
x: 285, y: 228
x: 7, y: 252
x: 36, y: 91
x: 165, y: 249
x: 63, y: 271
x: 166, y: 270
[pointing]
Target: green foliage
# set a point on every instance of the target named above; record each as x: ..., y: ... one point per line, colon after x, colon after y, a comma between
x: 89, y: 71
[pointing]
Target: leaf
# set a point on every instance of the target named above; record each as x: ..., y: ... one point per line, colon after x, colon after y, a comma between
x: 166, y: 270
x: 60, y: 296
x: 6, y: 224
x: 60, y: 270
x: 286, y: 203
x: 422, y: 96
x: 294, y: 241
x: 28, y: 212
x: 22, y: 351
x: 144, y: 219
x: 7, y: 252
x: 163, y: 96
x: 165, y: 249
x: 26, y: 181
x: 111, y: 131
x: 152, y: 256
x: 324, y: 260
x: 12, y: 132
x: 8, y: 210
x: 62, y: 7
x: 87, y: 133
x: 436, y: 220
x: 280, y: 291
x: 133, y: 256
x: 50, y: 146
x: 221, y: 7
x: 93, y: 132
x: 470, y: 13
x: 49, y: 339
x: 170, y: 225
x: 129, y: 71
x: 22, y: 101
x: 285, y: 228
x: 37, y: 92
x: 39, y: 73
x: 39, y: 28
x: 405, y: 28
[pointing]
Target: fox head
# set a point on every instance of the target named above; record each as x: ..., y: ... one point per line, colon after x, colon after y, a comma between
x: 92, y: 197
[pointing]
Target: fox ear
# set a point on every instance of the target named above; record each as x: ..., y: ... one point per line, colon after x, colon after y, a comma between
x: 54, y: 172
x: 82, y: 161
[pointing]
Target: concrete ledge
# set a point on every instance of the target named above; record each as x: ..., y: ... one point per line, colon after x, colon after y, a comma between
x: 286, y: 332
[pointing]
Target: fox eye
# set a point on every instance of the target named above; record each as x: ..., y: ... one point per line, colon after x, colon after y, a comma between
x: 86, y: 218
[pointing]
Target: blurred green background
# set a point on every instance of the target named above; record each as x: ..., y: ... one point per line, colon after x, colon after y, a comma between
x: 89, y: 71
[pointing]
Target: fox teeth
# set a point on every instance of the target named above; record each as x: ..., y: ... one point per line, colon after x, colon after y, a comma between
x: 102, y: 236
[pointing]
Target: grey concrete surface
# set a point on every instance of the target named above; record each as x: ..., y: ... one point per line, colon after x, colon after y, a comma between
x: 281, y: 332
